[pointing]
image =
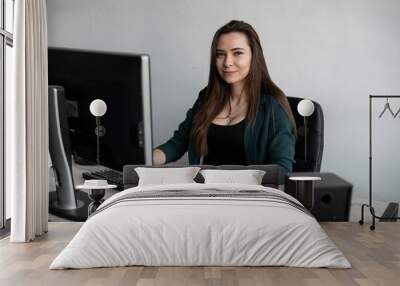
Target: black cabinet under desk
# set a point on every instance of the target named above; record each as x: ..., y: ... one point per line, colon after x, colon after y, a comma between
x: 332, y: 195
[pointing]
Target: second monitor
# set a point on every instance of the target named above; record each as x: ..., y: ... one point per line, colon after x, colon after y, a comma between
x: 122, y: 81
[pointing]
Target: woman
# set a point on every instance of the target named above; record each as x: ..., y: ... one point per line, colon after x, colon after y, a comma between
x: 241, y: 117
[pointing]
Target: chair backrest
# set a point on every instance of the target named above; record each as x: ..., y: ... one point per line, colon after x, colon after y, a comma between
x: 315, y: 138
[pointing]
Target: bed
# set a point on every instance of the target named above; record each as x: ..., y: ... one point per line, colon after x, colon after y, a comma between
x: 201, y: 224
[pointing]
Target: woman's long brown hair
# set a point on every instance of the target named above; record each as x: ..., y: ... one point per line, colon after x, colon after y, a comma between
x: 258, y: 82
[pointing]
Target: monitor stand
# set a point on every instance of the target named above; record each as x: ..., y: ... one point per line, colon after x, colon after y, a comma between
x: 80, y: 213
x: 65, y: 202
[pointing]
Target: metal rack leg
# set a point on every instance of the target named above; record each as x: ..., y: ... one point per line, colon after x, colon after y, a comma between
x: 374, y: 216
x: 372, y: 210
x: 361, y: 221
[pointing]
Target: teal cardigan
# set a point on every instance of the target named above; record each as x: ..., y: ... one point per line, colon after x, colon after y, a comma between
x: 272, y: 140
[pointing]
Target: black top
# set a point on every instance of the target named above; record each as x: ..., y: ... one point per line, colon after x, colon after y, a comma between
x: 226, y: 144
x: 270, y: 141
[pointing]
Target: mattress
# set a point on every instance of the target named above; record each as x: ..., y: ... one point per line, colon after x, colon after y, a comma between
x: 201, y: 225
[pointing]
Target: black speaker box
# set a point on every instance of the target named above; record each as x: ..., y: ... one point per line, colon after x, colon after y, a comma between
x: 332, y: 195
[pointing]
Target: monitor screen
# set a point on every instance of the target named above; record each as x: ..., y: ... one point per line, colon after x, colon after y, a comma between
x: 122, y: 81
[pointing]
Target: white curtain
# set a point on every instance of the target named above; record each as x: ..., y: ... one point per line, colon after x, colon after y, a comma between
x: 27, y: 123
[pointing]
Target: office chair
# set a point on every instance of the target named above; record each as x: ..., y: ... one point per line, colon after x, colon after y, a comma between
x: 315, y: 138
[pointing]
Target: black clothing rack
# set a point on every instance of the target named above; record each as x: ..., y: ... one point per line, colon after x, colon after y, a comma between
x: 369, y: 205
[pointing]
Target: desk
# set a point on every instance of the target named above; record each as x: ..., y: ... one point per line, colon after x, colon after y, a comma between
x: 77, y: 171
x: 82, y: 198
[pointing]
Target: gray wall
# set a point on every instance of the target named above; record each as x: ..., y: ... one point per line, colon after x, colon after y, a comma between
x: 334, y: 52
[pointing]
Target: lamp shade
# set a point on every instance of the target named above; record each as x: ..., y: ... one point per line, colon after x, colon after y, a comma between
x: 98, y: 107
x: 305, y: 107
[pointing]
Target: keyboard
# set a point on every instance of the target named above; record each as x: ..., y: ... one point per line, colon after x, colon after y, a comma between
x: 113, y: 177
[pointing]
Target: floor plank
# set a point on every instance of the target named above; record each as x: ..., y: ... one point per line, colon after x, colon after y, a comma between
x: 375, y: 257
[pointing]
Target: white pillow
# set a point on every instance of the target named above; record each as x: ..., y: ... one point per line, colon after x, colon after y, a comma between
x: 163, y: 176
x: 249, y: 177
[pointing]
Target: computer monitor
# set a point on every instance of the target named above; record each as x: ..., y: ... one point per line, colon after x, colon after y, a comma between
x: 122, y: 81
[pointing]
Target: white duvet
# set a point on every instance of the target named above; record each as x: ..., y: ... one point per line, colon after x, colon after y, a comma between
x: 200, y: 231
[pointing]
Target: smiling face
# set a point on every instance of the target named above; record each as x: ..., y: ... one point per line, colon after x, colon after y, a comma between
x: 233, y: 58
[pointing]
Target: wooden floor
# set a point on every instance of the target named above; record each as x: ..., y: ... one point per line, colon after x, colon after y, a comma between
x: 374, y: 255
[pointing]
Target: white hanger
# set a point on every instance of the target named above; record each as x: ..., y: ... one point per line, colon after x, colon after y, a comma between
x: 387, y: 107
x: 397, y: 113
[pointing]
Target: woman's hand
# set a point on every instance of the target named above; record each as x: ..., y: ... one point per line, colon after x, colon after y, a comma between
x: 158, y: 157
